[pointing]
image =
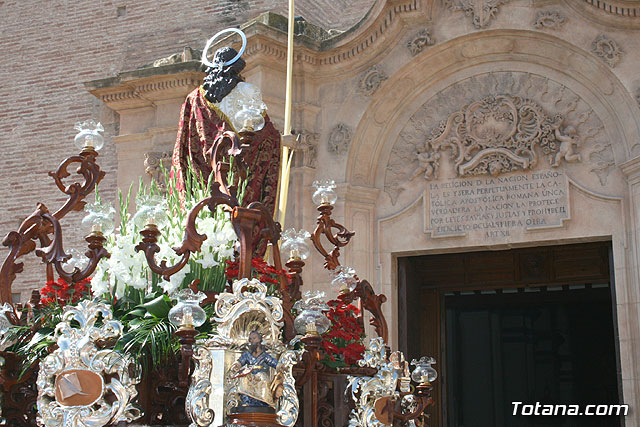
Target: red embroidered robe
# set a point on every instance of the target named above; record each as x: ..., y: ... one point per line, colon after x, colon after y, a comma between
x: 200, y: 125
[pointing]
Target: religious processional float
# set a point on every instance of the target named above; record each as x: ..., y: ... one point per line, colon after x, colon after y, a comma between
x: 172, y: 316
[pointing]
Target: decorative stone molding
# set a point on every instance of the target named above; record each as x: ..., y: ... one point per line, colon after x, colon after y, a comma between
x: 340, y: 138
x: 616, y: 7
x: 419, y: 41
x: 607, y: 49
x: 371, y: 80
x: 481, y: 11
x: 495, y: 123
x: 141, y: 88
x: 611, y: 14
x: 339, y: 52
x: 549, y: 19
x: 187, y: 54
x: 154, y: 163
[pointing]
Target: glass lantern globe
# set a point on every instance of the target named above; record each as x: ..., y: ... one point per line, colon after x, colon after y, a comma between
x: 424, y: 373
x: 325, y: 192
x: 311, y: 319
x: 187, y: 313
x: 99, y: 217
x: 249, y: 118
x: 344, y: 279
x: 150, y: 210
x: 89, y: 136
x: 311, y: 322
x: 294, y: 244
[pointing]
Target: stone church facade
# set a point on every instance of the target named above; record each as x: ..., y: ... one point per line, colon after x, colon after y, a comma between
x: 450, y: 126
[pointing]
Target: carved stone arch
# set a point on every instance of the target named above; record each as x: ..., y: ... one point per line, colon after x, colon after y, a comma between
x: 509, y: 50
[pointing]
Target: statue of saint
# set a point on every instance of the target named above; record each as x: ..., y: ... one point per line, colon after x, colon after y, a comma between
x: 259, y: 385
x: 209, y: 111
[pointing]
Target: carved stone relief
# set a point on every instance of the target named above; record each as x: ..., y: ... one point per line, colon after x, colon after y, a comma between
x: 371, y: 80
x: 340, y: 138
x: 419, y: 41
x: 549, y: 19
x: 602, y: 159
x: 154, y: 163
x: 496, y: 135
x: 497, y: 123
x: 481, y: 11
x: 306, y: 145
x: 607, y: 49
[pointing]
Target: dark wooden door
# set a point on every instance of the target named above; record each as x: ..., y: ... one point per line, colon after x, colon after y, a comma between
x: 511, y: 324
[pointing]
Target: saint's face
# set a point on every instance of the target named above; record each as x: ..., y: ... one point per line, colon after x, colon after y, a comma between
x: 254, y: 339
x: 255, y: 343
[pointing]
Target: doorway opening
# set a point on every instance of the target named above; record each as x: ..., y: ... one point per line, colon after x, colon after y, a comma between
x: 524, y: 325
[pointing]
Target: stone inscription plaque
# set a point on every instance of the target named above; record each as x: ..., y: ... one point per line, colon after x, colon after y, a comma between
x: 495, y: 207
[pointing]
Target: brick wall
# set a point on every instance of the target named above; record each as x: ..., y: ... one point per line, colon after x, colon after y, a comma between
x: 50, y: 48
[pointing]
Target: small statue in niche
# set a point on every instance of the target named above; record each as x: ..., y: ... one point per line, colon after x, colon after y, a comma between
x: 258, y: 384
x: 567, y: 140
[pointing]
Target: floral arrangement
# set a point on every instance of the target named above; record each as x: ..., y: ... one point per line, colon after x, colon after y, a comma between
x: 140, y: 298
x: 343, y: 342
x: 61, y: 292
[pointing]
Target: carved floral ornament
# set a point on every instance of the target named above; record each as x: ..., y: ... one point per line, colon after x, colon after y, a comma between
x: 419, y: 41
x: 496, y: 123
x: 371, y: 80
x: 340, y: 138
x: 607, y: 49
x: 549, y: 19
x: 481, y: 11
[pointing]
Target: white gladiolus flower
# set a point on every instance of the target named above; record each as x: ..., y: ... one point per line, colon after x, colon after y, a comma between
x: 176, y: 280
x: 208, y: 260
x: 226, y: 252
x: 100, y: 280
x: 127, y: 268
x: 227, y: 233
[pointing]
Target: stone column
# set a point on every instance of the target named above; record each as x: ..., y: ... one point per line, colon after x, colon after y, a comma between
x: 628, y: 303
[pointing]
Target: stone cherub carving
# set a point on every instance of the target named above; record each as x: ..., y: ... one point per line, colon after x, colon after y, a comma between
x: 428, y: 161
x: 567, y: 141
